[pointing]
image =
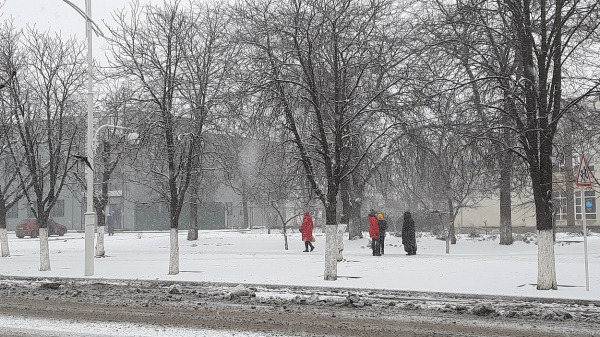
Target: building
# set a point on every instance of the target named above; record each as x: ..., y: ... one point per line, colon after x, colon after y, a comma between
x: 567, y: 203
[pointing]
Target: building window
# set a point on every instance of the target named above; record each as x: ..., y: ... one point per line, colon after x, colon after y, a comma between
x: 589, y: 204
x: 13, y: 212
x: 58, y: 211
x: 560, y: 202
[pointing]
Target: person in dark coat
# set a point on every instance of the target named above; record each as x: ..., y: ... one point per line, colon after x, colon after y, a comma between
x: 409, y: 239
x: 307, y: 235
x: 374, y: 233
x: 110, y: 223
x: 382, y: 229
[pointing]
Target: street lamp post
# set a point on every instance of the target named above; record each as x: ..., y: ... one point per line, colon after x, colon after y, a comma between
x: 90, y: 215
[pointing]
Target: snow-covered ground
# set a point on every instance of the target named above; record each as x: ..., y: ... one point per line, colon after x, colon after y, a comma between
x: 33, y: 326
x: 477, y: 266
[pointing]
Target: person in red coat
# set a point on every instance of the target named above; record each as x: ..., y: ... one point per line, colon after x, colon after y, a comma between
x: 374, y: 233
x: 306, y: 229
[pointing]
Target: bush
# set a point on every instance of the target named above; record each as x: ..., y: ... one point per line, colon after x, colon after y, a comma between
x: 474, y: 233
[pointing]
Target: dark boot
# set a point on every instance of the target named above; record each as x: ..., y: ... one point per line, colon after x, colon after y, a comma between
x: 306, y: 243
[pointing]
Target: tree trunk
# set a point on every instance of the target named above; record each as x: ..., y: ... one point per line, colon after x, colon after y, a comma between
x: 331, y: 252
x: 174, y: 253
x: 346, y: 202
x: 44, y: 250
x: 356, y: 198
x: 4, y: 242
x: 340, y: 241
x: 546, y: 260
x: 194, y: 201
x: 546, y: 264
x: 245, y: 210
x: 100, y: 242
x: 285, y: 236
x: 102, y: 200
x: 101, y: 218
x: 356, y: 220
x: 193, y: 230
x: 331, y: 247
x: 542, y: 189
x: 3, y: 233
x: 451, y: 233
x: 506, y: 237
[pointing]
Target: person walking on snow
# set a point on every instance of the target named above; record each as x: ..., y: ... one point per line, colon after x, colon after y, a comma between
x: 374, y: 233
x: 306, y: 229
x: 408, y: 235
x: 382, y: 229
x: 110, y: 223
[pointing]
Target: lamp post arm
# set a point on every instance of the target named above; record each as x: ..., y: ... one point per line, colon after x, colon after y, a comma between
x: 95, y: 27
x: 109, y: 126
x: 97, y: 134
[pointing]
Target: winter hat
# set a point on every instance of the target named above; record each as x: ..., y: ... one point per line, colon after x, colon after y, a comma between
x: 380, y: 216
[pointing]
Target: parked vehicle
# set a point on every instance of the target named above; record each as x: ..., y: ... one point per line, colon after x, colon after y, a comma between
x: 29, y: 227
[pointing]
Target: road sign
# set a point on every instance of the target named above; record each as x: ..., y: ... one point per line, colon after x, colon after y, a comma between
x: 589, y: 204
x: 583, y: 174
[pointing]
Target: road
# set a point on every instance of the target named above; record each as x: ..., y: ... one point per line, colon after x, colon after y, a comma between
x: 77, y: 307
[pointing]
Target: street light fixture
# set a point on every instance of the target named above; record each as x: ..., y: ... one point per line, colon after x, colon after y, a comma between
x: 90, y: 215
x: 130, y: 136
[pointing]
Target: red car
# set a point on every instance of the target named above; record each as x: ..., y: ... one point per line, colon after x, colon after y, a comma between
x: 29, y: 227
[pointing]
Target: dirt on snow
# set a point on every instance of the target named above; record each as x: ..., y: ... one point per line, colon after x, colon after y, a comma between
x: 294, y: 310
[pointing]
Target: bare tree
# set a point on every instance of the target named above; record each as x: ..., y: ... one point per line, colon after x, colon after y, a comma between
x: 443, y: 169
x: 11, y: 190
x: 534, y: 47
x: 149, y: 48
x: 112, y: 137
x: 209, y: 59
x: 317, y: 60
x: 44, y: 113
x: 468, y: 35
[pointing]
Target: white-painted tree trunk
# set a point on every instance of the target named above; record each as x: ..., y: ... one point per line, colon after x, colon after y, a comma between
x: 546, y: 264
x: 331, y: 252
x: 341, y: 229
x: 44, y: 250
x: 100, y: 242
x: 174, y: 253
x: 4, y: 242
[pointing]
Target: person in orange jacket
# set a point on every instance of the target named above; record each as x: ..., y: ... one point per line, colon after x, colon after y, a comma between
x: 306, y: 229
x: 374, y: 232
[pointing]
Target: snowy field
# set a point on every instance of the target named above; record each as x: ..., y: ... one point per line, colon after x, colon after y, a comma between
x: 479, y: 265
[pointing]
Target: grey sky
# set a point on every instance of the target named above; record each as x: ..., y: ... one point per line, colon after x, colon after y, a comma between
x: 58, y: 16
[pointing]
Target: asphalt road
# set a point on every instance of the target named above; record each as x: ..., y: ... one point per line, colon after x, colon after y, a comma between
x: 280, y: 311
